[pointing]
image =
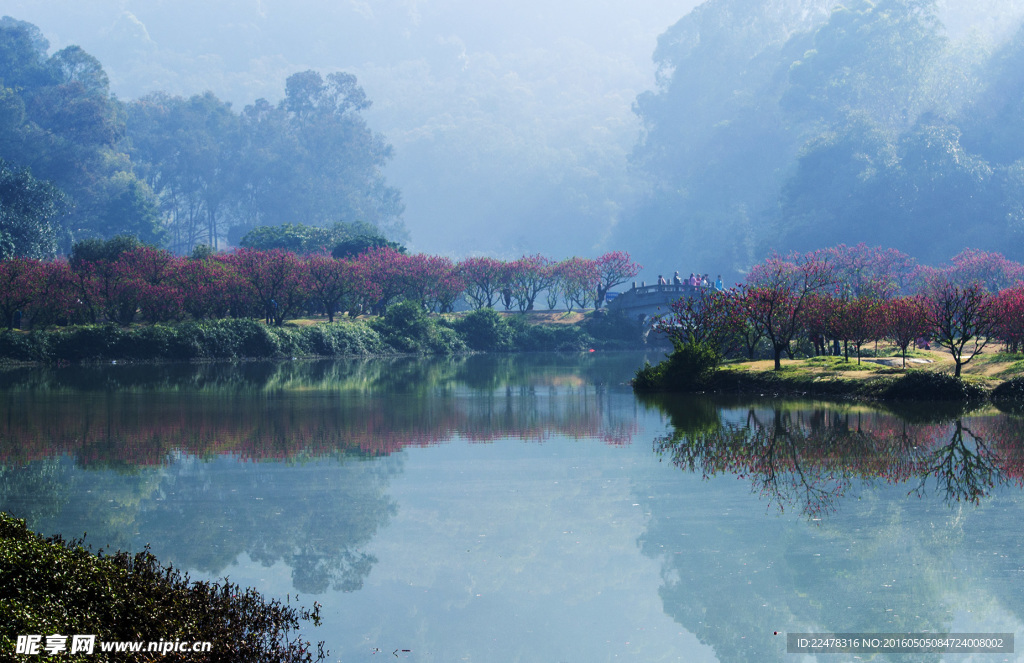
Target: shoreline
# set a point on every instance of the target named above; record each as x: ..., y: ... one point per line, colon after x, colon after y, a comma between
x: 995, y: 377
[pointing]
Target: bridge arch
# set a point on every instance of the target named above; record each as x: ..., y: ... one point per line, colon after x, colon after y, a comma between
x: 643, y: 304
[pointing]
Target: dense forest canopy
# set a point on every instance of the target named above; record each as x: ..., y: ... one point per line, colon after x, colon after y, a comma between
x: 799, y: 124
x: 77, y: 163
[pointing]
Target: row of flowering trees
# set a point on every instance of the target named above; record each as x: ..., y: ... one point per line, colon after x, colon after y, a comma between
x: 855, y: 296
x: 152, y: 285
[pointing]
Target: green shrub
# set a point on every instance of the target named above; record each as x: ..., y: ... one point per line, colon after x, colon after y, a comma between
x: 486, y: 330
x: 613, y: 330
x: 407, y: 328
x: 928, y: 386
x: 690, y: 366
x: 19, y: 346
x: 52, y: 586
x: 1012, y: 389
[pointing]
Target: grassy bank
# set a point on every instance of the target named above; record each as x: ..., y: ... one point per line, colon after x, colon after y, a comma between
x: 927, y: 376
x: 49, y: 586
x: 404, y: 329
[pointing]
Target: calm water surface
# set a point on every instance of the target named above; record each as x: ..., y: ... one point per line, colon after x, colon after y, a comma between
x: 532, y: 508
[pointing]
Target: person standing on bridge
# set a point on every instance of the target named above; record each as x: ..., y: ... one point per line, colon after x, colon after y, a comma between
x: 676, y: 280
x: 719, y: 286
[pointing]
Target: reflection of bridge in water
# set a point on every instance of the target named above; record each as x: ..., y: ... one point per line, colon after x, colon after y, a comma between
x: 644, y: 303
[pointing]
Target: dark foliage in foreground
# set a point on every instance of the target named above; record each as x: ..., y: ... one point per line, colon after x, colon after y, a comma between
x: 49, y: 586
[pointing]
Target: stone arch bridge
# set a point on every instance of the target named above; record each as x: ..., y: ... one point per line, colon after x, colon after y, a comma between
x: 645, y: 303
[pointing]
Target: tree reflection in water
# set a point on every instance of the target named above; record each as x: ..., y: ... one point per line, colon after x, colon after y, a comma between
x: 851, y: 548
x: 807, y: 456
x: 287, y: 462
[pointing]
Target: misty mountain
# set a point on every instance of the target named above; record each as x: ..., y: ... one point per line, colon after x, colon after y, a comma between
x: 525, y: 127
x: 782, y: 126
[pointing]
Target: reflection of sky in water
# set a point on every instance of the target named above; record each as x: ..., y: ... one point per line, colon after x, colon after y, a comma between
x: 503, y: 552
x: 540, y: 528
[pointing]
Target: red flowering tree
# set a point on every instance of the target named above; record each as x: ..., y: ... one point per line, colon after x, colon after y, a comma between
x: 1009, y: 309
x: 527, y: 278
x: 869, y: 271
x: 366, y: 290
x: 961, y: 318
x: 55, y: 300
x: 904, y: 321
x: 482, y: 278
x: 20, y: 279
x: 860, y: 321
x: 278, y: 280
x: 212, y: 288
x: 388, y: 269
x: 707, y: 316
x: 992, y: 270
x: 777, y: 293
x: 149, y: 277
x: 331, y: 281
x: 432, y: 281
x: 577, y: 280
x: 614, y: 268
x: 821, y: 320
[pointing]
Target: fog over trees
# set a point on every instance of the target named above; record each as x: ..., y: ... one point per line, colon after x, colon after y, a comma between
x: 695, y: 137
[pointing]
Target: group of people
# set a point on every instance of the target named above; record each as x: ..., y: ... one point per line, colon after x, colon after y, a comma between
x: 695, y: 281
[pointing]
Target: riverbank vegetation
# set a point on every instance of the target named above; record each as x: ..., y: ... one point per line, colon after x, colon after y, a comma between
x: 122, y: 300
x: 133, y: 598
x: 123, y: 281
x: 829, y: 310
x: 405, y: 328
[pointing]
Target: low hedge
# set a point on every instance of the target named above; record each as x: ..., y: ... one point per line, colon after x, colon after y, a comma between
x: 49, y: 586
x: 928, y: 386
x: 215, y: 339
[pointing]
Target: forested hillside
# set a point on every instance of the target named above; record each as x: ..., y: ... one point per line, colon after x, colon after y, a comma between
x: 76, y: 162
x: 797, y: 124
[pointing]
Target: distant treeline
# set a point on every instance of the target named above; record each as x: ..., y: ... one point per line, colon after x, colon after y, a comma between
x: 793, y: 125
x: 78, y: 163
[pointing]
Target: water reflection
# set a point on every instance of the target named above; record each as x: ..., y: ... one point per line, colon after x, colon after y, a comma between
x: 808, y: 456
x: 316, y: 517
x: 310, y: 477
x: 116, y: 417
x: 177, y: 456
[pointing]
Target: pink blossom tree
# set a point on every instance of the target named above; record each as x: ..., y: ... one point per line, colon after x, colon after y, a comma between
x: 904, y: 321
x: 482, y: 278
x: 19, y: 287
x: 278, y: 279
x: 614, y: 268
x: 777, y: 293
x: 331, y: 281
x: 577, y: 280
x: 961, y: 318
x: 527, y: 278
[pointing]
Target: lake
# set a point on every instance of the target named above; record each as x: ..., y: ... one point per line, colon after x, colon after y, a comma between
x: 531, y: 508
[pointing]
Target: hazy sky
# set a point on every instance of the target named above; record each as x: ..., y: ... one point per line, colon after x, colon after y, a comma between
x: 511, y: 121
